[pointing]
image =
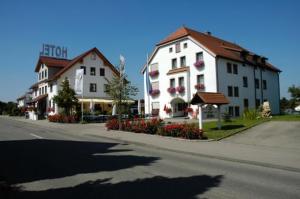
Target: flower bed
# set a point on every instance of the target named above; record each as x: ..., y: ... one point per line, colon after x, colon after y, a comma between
x: 199, y: 64
x: 62, y: 118
x: 180, y: 89
x: 171, y: 90
x: 199, y: 86
x: 155, y: 126
x: 153, y: 73
x: 154, y: 92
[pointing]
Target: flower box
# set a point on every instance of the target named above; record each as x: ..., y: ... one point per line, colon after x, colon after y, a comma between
x: 154, y: 92
x: 199, y: 64
x: 180, y: 89
x: 199, y: 86
x: 189, y: 110
x: 153, y: 73
x: 171, y: 90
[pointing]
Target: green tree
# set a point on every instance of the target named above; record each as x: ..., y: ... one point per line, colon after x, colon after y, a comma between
x: 120, y: 92
x: 295, y: 92
x: 284, y: 104
x: 66, y: 98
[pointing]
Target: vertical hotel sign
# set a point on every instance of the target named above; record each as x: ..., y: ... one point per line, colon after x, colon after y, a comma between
x: 50, y: 50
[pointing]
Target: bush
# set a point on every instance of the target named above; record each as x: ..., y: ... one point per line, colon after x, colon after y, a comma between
x: 62, y: 118
x: 155, y: 126
x: 250, y: 114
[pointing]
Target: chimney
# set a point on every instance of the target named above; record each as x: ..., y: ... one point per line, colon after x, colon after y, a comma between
x: 208, y: 33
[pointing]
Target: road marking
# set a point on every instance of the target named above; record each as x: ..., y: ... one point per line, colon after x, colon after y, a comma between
x: 34, y: 135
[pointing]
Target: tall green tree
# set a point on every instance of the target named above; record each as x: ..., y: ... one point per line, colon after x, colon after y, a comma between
x: 66, y: 98
x: 295, y: 92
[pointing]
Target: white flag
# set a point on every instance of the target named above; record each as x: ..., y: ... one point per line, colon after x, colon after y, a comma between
x: 79, y: 82
x: 122, y: 64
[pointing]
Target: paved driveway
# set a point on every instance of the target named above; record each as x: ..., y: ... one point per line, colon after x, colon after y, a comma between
x: 273, y: 134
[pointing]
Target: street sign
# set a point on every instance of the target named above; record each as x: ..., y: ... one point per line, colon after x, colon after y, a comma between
x: 54, y: 51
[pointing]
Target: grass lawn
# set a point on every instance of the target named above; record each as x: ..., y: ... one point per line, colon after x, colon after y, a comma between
x: 238, y: 125
x: 229, y: 128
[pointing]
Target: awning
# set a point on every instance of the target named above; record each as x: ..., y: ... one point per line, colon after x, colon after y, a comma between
x: 209, y: 98
x: 39, y: 98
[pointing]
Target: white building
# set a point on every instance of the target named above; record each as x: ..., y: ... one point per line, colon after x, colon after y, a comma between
x: 52, y: 71
x: 188, y: 61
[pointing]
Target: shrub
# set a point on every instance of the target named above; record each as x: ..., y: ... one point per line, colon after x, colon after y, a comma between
x: 62, y: 118
x: 187, y: 131
x: 250, y: 114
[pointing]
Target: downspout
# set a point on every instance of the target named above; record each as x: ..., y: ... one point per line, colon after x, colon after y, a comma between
x: 261, y: 87
x: 217, y: 74
x: 254, y: 87
x: 278, y: 91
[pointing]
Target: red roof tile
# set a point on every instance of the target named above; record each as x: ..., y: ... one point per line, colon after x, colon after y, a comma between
x: 209, y: 98
x: 219, y: 47
x: 51, y: 62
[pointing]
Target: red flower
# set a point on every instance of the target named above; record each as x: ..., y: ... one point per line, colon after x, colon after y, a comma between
x: 199, y: 86
x: 180, y: 89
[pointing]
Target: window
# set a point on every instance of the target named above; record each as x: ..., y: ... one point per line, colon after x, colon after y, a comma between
x: 181, y: 81
x: 185, y: 45
x: 257, y: 103
x: 199, y: 56
x: 229, y: 91
x: 46, y: 89
x: 235, y: 69
x: 102, y: 71
x: 51, y: 88
x: 93, y: 71
x: 245, y: 82
x: 256, y: 83
x: 40, y: 91
x: 170, y: 50
x: 236, y: 91
x: 154, y: 67
x: 182, y: 61
x: 46, y: 74
x: 155, y: 85
x: 246, y: 103
x: 264, y: 84
x: 177, y: 47
x: 93, y: 56
x: 174, y: 63
x: 84, y: 69
x: 42, y: 74
x: 155, y: 108
x: 172, y: 83
x: 200, y: 79
x: 230, y: 110
x: 229, y: 69
x: 35, y: 93
x: 106, y: 88
x: 93, y: 88
x: 237, y: 111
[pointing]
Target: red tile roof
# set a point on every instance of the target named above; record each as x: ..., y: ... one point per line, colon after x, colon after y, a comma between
x: 220, y: 47
x: 51, y: 62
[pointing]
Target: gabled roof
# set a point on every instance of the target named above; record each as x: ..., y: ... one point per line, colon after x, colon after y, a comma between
x: 209, y: 98
x: 51, y: 62
x: 220, y: 47
x: 80, y: 57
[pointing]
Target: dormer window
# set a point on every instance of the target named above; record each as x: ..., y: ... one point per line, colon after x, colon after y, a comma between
x: 93, y: 56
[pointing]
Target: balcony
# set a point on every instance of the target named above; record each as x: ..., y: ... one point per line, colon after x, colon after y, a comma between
x: 178, y: 70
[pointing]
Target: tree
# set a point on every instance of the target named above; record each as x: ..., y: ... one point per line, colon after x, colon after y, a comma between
x: 295, y: 92
x: 66, y: 97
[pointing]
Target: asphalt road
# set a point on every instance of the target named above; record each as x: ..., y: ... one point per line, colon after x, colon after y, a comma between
x: 46, y: 163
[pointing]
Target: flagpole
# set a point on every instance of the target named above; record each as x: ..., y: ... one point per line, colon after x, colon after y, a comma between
x: 147, y: 73
x: 82, y: 100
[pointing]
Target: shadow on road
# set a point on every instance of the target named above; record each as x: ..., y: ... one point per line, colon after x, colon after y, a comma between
x: 30, y: 160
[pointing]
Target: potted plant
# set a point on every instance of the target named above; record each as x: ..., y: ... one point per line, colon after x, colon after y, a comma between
x: 171, y: 90
x: 199, y: 64
x: 154, y: 92
x: 180, y: 89
x: 153, y: 73
x: 199, y: 86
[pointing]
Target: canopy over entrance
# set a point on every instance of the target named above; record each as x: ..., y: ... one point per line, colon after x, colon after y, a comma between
x: 201, y: 98
x: 209, y: 98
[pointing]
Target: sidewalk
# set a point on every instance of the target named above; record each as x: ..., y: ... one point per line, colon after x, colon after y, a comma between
x: 274, y: 157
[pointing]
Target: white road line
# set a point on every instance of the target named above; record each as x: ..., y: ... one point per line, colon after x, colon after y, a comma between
x: 34, y: 135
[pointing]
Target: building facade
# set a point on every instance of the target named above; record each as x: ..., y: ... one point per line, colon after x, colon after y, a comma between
x: 52, y: 71
x: 188, y: 61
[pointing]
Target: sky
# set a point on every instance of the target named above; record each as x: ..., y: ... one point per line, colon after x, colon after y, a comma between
x: 133, y: 27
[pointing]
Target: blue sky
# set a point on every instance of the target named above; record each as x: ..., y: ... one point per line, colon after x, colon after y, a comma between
x: 133, y: 27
